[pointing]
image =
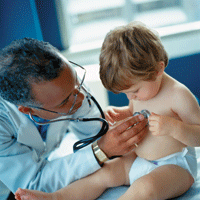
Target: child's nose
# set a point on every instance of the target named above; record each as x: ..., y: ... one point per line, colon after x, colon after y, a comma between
x: 131, y: 96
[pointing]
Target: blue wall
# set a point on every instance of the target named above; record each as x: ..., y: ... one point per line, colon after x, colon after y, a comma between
x: 185, y: 69
x: 47, y: 15
x: 29, y: 18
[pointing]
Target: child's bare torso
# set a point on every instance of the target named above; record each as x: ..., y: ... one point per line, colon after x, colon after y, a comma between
x: 155, y: 147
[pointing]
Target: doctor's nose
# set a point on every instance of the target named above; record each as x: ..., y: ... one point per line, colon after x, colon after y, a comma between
x: 79, y: 94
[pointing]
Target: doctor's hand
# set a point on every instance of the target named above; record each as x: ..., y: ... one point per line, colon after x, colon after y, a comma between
x: 122, y: 137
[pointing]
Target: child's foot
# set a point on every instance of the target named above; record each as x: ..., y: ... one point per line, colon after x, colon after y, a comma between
x: 24, y: 194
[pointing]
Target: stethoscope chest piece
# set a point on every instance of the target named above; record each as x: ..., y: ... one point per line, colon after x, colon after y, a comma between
x: 144, y: 112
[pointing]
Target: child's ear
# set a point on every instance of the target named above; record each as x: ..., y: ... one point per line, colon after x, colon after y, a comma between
x: 161, y: 68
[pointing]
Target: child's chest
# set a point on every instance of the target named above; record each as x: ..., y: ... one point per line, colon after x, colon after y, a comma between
x: 161, y: 106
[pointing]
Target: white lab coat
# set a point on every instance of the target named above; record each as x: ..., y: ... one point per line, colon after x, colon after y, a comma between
x: 23, y: 154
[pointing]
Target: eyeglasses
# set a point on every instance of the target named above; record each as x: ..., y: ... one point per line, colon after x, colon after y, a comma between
x: 80, y: 74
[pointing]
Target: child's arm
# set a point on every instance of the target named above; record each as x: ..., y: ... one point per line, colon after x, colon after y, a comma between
x: 186, y: 107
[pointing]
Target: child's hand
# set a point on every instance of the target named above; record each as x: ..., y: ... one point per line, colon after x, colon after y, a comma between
x: 114, y: 114
x: 162, y: 125
x: 111, y: 115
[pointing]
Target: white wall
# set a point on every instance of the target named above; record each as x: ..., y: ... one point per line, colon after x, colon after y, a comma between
x: 93, y: 81
x: 180, y: 40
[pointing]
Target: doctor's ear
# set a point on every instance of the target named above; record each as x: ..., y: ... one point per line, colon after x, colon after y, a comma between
x: 24, y: 109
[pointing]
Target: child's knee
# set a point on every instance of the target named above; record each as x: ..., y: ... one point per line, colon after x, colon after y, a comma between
x: 191, y: 180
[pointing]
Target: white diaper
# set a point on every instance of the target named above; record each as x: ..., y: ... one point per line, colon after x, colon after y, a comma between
x: 185, y: 159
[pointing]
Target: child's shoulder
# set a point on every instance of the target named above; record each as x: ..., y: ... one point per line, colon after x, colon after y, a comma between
x: 175, y: 86
x: 181, y: 94
x: 178, y: 91
x: 181, y: 89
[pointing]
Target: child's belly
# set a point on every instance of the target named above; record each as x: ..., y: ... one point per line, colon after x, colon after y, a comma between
x: 155, y: 147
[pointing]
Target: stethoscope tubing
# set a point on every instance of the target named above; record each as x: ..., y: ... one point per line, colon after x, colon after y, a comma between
x: 84, y: 142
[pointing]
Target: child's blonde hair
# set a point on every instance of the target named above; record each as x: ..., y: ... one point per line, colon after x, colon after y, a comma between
x: 128, y: 53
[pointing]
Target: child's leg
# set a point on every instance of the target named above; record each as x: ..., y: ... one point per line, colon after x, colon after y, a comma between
x: 113, y: 173
x: 164, y: 182
x: 25, y: 194
x: 89, y: 187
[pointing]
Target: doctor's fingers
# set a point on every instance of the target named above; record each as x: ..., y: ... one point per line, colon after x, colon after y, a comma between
x: 137, y: 138
x: 134, y: 141
x: 127, y: 124
x: 136, y: 133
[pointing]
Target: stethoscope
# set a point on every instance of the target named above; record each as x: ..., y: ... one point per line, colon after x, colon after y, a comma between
x: 84, y: 142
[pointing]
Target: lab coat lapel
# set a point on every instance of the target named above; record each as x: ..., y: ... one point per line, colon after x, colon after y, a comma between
x: 30, y: 136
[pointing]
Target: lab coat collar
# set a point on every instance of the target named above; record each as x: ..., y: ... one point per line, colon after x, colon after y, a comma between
x: 27, y: 133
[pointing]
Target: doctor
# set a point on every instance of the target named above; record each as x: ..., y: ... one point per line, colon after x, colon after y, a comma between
x: 36, y: 80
